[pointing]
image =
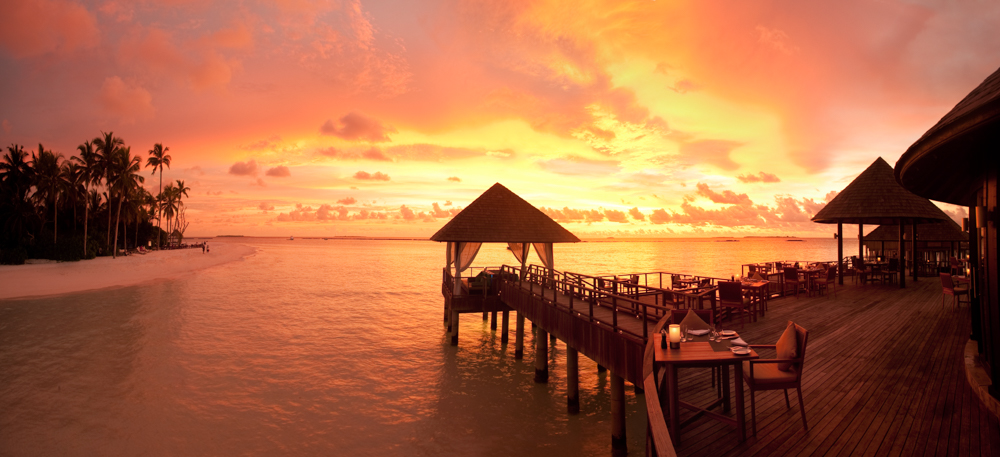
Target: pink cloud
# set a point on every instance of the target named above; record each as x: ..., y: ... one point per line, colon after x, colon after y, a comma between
x: 248, y: 168
x: 726, y: 197
x: 356, y: 127
x: 198, y: 61
x: 365, y: 176
x: 616, y: 216
x: 636, y: 214
x: 278, y: 172
x: 407, y: 213
x: 376, y: 154
x: 450, y: 178
x: 128, y: 101
x: 38, y: 27
x: 347, y: 201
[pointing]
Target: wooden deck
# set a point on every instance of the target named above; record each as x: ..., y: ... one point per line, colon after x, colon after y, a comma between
x: 884, y: 375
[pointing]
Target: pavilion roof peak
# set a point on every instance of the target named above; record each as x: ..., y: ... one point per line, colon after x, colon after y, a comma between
x: 501, y: 216
x: 874, y: 197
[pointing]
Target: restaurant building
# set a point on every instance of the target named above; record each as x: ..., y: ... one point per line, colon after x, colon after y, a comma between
x: 956, y: 161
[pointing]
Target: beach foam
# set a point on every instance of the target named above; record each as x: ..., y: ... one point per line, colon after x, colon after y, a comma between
x: 41, y: 279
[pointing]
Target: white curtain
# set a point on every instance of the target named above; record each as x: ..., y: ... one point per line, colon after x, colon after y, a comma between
x: 544, y: 251
x: 462, y: 257
x: 520, y: 251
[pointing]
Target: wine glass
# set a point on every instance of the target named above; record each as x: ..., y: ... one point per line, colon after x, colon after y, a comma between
x: 712, y: 335
x: 684, y: 333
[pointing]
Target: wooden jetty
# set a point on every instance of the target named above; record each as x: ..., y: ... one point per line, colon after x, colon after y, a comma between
x: 884, y: 375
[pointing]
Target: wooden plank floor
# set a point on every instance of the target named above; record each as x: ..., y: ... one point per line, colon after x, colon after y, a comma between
x: 884, y: 375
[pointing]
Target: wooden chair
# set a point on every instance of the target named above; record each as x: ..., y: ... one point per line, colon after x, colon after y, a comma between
x: 827, y: 282
x: 860, y: 270
x: 956, y: 292
x: 764, y: 374
x: 792, y: 279
x: 891, y: 272
x: 731, y: 296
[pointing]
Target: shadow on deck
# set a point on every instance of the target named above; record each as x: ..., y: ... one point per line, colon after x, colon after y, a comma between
x: 884, y: 375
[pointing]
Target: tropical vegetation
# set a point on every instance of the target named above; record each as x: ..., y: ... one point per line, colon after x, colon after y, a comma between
x: 91, y: 204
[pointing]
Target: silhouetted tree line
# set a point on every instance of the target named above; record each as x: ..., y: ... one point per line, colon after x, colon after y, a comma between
x: 78, y: 208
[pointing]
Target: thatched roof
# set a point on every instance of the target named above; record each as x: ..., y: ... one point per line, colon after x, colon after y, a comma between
x: 874, y: 197
x: 939, y: 231
x: 942, y: 163
x: 500, y: 216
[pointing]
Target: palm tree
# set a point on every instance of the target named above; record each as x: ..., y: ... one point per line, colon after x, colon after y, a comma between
x: 75, y: 190
x: 50, y: 180
x: 158, y: 158
x: 16, y: 211
x: 168, y: 204
x: 125, y: 177
x: 90, y: 174
x: 106, y: 146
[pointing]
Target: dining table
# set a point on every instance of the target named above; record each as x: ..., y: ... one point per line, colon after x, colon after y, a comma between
x: 699, y: 351
x: 758, y: 292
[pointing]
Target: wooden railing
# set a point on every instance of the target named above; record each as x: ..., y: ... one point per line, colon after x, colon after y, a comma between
x: 621, y: 296
x: 658, y: 442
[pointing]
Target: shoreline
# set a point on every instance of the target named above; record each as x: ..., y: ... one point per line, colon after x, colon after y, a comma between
x: 58, y: 278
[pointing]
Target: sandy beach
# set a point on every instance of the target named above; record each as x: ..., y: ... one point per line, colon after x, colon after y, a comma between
x: 33, y: 280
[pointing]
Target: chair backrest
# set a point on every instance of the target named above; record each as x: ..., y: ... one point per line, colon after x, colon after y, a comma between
x: 831, y: 274
x: 677, y: 315
x: 792, y: 273
x: 954, y: 261
x: 752, y: 269
x: 802, y: 336
x: 730, y: 291
x: 946, y: 281
x: 705, y: 282
x: 893, y: 264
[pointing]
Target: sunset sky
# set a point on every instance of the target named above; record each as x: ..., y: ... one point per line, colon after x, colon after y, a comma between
x: 382, y: 118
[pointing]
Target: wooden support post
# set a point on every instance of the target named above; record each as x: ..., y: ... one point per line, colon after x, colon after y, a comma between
x: 572, y: 380
x: 503, y: 327
x: 486, y: 316
x: 861, y: 242
x: 913, y: 249
x: 493, y: 321
x: 454, y: 328
x: 519, y: 337
x: 541, y: 356
x: 618, y: 441
x: 601, y: 368
x: 902, y: 257
x: 840, y: 253
x: 447, y: 313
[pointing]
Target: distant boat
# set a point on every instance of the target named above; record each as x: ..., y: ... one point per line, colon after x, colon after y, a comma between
x: 726, y: 241
x: 794, y: 240
x: 291, y: 238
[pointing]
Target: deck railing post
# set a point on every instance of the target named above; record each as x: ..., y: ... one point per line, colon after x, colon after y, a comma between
x: 618, y: 439
x: 503, y: 327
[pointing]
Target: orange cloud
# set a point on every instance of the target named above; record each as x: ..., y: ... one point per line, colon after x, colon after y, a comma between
x: 356, y: 127
x: 38, y: 27
x: 128, y: 101
x: 278, y: 172
x: 759, y: 177
x: 248, y: 168
x: 365, y: 176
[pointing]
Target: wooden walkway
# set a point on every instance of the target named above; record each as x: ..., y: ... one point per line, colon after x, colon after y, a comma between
x: 884, y: 375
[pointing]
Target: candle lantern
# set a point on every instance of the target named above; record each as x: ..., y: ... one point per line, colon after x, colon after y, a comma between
x: 675, y: 336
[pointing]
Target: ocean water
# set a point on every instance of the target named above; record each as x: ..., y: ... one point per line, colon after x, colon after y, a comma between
x: 313, y: 347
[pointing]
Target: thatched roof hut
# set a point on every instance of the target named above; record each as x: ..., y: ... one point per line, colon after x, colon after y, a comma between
x: 956, y: 161
x: 500, y: 216
x: 962, y: 145
x: 874, y: 197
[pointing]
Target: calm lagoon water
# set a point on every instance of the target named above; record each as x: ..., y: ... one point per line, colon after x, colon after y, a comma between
x: 313, y: 347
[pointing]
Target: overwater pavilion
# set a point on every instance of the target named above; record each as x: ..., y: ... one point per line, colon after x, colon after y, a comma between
x: 936, y: 243
x: 874, y: 197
